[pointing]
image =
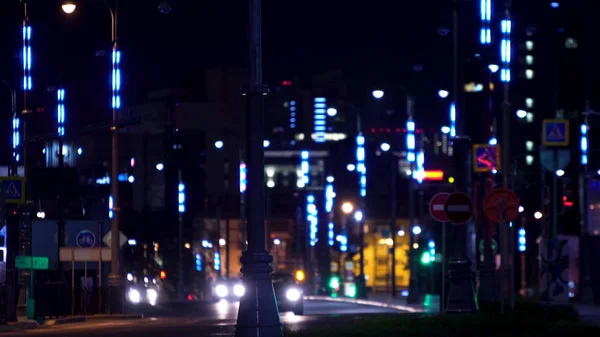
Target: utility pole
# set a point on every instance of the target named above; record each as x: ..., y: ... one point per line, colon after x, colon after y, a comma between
x: 393, y: 222
x: 114, y: 277
x: 414, y: 294
x: 258, y: 315
x: 461, y: 296
x: 226, y: 211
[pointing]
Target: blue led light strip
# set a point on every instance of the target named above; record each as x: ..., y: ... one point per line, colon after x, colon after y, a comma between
x: 485, y: 34
x: 116, y: 79
x: 311, y: 217
x: 505, y: 49
x: 361, y: 167
x: 320, y: 121
x: 26, y: 57
x: 60, y: 112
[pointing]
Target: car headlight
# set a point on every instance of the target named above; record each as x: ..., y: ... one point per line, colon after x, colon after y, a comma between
x: 239, y: 290
x: 221, y: 290
x: 134, y: 296
x: 152, y: 296
x: 293, y: 294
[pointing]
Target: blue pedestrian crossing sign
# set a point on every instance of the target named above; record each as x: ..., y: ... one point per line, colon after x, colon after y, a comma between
x: 555, y: 132
x: 13, y: 189
x: 486, y: 158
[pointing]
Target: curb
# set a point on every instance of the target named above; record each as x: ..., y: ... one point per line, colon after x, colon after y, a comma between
x: 65, y: 320
x: 365, y: 302
x: 116, y: 317
x: 13, y: 327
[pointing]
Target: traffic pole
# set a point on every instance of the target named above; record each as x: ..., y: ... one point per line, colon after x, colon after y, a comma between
x: 258, y: 315
x: 393, y: 223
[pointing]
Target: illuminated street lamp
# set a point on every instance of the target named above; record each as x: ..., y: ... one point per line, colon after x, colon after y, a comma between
x: 378, y: 94
x: 68, y: 7
x: 347, y: 208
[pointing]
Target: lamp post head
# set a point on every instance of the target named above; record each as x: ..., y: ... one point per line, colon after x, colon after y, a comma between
x: 68, y: 7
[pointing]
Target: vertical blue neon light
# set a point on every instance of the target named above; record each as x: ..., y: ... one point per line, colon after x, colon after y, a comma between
x: 311, y: 217
x: 431, y: 245
x: 26, y: 57
x: 16, y: 137
x: 583, y: 144
x: 361, y: 167
x: 320, y: 121
x: 505, y: 50
x: 243, y: 177
x: 292, y: 115
x: 181, y: 197
x: 522, y: 240
x: 217, y: 260
x: 410, y: 140
x: 116, y: 79
x: 305, y: 167
x: 110, y: 206
x: 485, y: 35
x: 60, y: 112
x: 329, y: 197
x: 198, y: 262
x: 419, y: 173
x: 452, y: 120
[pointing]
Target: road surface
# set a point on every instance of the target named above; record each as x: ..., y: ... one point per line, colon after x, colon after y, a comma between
x: 204, y: 319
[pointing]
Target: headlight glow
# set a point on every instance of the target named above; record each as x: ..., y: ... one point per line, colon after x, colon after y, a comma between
x: 239, y: 290
x: 134, y: 296
x: 292, y: 294
x: 221, y: 290
x: 152, y: 295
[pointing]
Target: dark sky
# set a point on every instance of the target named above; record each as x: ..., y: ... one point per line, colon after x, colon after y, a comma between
x: 376, y: 41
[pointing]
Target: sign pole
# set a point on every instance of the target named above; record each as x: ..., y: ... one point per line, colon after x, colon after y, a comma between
x: 554, y: 196
x: 503, y: 255
x: 444, y: 259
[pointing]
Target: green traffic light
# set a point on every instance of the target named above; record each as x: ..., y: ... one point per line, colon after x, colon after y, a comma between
x: 426, y: 258
x: 334, y: 282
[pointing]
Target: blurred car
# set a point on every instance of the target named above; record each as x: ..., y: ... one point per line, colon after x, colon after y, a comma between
x: 228, y: 289
x: 137, y: 294
x: 289, y: 293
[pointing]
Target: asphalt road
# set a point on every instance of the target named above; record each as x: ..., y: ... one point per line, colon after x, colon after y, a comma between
x: 204, y: 319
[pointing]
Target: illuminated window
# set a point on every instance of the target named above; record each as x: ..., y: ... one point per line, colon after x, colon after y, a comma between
x: 529, y: 117
x: 529, y: 160
x: 529, y: 59
x: 529, y: 74
x: 529, y: 145
x: 529, y: 102
x: 529, y: 45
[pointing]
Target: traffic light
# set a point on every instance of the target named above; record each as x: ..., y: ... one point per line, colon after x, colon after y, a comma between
x: 217, y: 261
x: 431, y: 246
x: 300, y: 277
x: 426, y: 258
x: 334, y: 283
x: 163, y: 275
x: 522, y: 240
x: 198, y: 262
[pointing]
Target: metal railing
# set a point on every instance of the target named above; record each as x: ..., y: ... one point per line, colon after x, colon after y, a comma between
x: 54, y: 300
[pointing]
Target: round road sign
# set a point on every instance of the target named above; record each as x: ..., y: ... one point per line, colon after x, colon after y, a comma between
x: 436, y: 207
x: 491, y: 205
x: 459, y: 208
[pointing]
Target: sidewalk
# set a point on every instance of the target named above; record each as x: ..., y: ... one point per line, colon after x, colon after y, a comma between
x: 589, y: 313
x: 24, y: 324
x: 429, y: 304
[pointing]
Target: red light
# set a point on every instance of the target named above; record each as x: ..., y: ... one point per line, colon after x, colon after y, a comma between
x: 397, y: 130
x: 287, y: 83
x: 567, y: 203
x: 190, y: 297
x: 373, y: 130
x: 380, y: 129
x: 388, y: 130
x: 163, y: 275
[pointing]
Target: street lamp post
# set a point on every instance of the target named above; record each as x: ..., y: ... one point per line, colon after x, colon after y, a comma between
x: 114, y: 277
x: 258, y: 314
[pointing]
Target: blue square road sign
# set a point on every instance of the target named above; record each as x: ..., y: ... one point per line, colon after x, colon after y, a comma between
x: 555, y: 132
x: 13, y: 189
x: 486, y: 157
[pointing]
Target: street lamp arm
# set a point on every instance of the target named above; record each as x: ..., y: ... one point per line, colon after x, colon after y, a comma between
x: 113, y: 19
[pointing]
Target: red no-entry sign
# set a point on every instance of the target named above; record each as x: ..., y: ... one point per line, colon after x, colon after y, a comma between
x: 491, y: 205
x: 459, y: 208
x: 437, y: 207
